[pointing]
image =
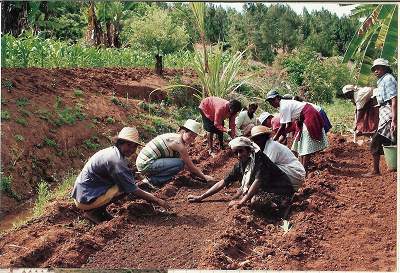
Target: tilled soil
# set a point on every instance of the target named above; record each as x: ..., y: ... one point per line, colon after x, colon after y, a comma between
x: 340, y: 221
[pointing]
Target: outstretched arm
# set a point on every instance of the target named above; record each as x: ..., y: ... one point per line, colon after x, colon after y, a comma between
x: 211, y: 191
x: 151, y: 198
x: 252, y: 191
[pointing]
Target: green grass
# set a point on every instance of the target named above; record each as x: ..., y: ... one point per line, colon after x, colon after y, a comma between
x: 7, y: 84
x: 5, y: 115
x: 341, y: 115
x: 5, y: 186
x: 50, y: 142
x: 42, y: 199
x: 19, y: 138
x: 21, y: 121
x: 90, y: 144
x: 78, y: 93
x: 21, y: 102
x: 110, y: 120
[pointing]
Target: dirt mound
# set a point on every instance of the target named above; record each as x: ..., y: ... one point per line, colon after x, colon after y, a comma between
x: 53, y: 116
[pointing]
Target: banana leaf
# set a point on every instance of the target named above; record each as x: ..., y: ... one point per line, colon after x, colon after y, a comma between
x: 389, y: 49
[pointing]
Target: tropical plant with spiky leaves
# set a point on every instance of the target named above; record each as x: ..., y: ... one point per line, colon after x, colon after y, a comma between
x: 376, y: 37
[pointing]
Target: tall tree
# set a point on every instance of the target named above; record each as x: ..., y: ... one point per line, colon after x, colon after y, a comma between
x: 156, y: 33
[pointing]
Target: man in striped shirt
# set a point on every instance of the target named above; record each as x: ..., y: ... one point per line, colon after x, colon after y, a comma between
x: 166, y: 155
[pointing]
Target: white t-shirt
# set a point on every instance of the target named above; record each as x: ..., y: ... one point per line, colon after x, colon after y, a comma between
x: 283, y: 157
x: 361, y: 96
x: 242, y: 120
x: 290, y: 110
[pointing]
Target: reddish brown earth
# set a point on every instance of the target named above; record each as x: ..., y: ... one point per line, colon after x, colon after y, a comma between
x: 340, y: 220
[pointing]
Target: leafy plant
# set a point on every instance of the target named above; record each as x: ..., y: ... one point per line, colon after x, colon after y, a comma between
x: 19, y: 138
x: 90, y: 144
x: 50, y: 142
x: 7, y: 84
x: 21, y: 102
x: 376, y: 37
x: 223, y: 74
x: 5, y: 186
x: 78, y: 93
x: 21, y: 121
x: 116, y: 101
x: 110, y: 120
x: 5, y: 115
x: 43, y: 197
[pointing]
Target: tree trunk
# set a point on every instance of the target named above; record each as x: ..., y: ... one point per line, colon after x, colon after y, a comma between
x: 93, y: 33
x: 159, y: 65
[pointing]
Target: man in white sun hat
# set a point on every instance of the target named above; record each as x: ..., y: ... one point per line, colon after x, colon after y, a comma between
x: 386, y: 96
x: 167, y: 154
x: 263, y: 184
x: 106, y: 175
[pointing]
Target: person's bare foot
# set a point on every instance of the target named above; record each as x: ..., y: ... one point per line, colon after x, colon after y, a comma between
x: 371, y: 174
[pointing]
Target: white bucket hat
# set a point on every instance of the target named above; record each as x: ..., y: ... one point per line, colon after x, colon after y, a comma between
x: 193, y: 126
x: 243, y: 142
x: 130, y: 134
x: 264, y: 116
x: 380, y: 61
x: 348, y: 88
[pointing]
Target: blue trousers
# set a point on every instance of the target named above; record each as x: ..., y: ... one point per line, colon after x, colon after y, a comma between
x: 163, y: 169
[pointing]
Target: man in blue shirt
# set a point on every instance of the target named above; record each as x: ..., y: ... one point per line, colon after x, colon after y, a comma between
x: 386, y: 96
x: 107, y: 175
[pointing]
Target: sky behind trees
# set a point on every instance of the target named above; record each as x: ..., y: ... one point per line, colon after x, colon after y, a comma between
x: 298, y: 7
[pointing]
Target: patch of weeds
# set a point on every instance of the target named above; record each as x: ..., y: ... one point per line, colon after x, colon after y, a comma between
x: 21, y: 121
x: 5, y: 187
x: 24, y: 112
x: 21, y: 102
x: 162, y: 126
x: 90, y: 144
x: 7, y: 84
x: 69, y: 116
x: 154, y: 109
x: 5, y: 115
x: 78, y: 93
x: 110, y: 120
x: 117, y: 102
x: 19, y: 138
x: 59, y: 103
x: 44, y: 114
x: 149, y: 129
x: 43, y: 197
x: 50, y: 142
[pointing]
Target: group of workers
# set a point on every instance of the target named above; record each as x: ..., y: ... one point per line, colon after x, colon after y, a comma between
x: 269, y: 172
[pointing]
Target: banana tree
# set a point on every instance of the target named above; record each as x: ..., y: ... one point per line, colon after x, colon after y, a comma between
x: 375, y: 38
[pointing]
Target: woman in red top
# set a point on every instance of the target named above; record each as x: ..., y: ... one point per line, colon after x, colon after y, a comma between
x: 213, y: 111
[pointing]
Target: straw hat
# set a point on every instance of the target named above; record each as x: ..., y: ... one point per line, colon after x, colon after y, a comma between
x: 130, y: 134
x: 243, y: 142
x: 348, y: 88
x: 381, y: 62
x: 264, y: 116
x: 259, y: 130
x: 193, y: 126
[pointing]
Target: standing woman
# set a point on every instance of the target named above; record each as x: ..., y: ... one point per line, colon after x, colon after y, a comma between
x: 386, y: 97
x: 310, y: 136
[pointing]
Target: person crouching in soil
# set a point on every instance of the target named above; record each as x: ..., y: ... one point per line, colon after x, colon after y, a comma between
x: 213, y: 111
x: 106, y: 175
x: 246, y: 120
x: 167, y: 154
x: 280, y: 155
x: 263, y: 184
x: 310, y: 136
x: 386, y: 97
